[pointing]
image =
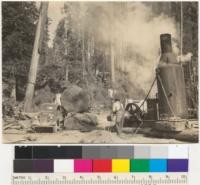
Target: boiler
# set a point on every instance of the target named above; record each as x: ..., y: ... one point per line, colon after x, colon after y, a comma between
x: 170, y: 82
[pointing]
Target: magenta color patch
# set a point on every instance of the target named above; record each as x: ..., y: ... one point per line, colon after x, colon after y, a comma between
x: 82, y: 165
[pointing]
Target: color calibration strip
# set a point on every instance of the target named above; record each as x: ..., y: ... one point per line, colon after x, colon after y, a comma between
x: 102, y: 152
x: 100, y: 165
x: 87, y: 159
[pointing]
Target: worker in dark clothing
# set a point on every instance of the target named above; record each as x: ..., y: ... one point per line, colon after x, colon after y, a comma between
x: 61, y: 114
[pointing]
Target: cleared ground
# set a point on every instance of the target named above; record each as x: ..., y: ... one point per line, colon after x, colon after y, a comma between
x: 74, y: 136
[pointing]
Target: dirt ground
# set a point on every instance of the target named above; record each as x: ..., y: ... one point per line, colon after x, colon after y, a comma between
x: 97, y: 136
x: 74, y: 136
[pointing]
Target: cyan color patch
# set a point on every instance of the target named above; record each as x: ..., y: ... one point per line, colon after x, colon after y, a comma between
x: 158, y: 165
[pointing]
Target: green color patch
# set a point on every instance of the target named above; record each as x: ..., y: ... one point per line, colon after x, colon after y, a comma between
x: 139, y: 165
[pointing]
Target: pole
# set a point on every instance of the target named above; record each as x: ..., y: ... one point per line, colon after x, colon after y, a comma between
x: 35, y: 57
x: 82, y: 30
x: 83, y: 52
x: 112, y: 65
x: 181, y: 31
x: 112, y: 52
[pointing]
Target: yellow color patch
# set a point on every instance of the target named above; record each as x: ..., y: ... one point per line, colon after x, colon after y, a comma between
x: 120, y: 165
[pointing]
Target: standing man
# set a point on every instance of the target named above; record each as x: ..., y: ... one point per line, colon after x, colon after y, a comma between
x: 118, y: 111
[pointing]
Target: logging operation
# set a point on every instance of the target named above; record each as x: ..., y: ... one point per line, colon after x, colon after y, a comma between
x: 100, y: 72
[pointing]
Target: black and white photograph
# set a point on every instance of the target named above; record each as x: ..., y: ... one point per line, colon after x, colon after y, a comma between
x: 87, y: 72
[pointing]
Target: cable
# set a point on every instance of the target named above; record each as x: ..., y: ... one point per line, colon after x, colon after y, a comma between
x: 171, y: 109
x: 151, y: 85
x: 148, y: 92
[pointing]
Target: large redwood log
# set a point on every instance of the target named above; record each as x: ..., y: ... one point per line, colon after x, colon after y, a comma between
x: 81, y: 121
x: 189, y: 135
x: 75, y: 99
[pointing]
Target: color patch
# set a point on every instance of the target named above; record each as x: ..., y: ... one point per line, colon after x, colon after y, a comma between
x: 120, y: 165
x: 66, y: 165
x: 55, y: 152
x: 139, y: 165
x: 178, y: 152
x: 159, y: 152
x: 177, y: 165
x: 125, y: 152
x: 102, y: 165
x: 100, y: 152
x: 23, y: 166
x: 81, y: 165
x: 158, y: 165
x: 23, y: 152
x: 43, y: 166
x: 91, y: 152
x: 107, y: 152
x: 142, y: 152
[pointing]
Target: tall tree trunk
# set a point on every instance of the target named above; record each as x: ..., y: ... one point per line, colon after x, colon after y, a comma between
x: 112, y: 52
x: 67, y: 72
x: 35, y: 58
x: 89, y: 55
x: 13, y: 92
x: 83, y: 53
x: 112, y: 58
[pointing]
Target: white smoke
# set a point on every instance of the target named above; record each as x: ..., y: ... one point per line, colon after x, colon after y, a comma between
x: 141, y: 32
x: 134, y: 34
x: 185, y: 58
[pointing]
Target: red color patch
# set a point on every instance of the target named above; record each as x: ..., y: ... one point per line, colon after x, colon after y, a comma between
x: 101, y: 165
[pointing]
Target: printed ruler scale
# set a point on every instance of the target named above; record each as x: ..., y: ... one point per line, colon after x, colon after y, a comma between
x: 101, y: 179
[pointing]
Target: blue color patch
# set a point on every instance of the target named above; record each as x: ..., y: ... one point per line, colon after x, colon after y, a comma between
x: 158, y: 165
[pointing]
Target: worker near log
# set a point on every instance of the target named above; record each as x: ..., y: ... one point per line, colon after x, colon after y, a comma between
x: 118, y: 111
x: 61, y: 115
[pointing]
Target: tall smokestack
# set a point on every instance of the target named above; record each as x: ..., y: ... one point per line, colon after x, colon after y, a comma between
x: 165, y: 43
x: 167, y: 56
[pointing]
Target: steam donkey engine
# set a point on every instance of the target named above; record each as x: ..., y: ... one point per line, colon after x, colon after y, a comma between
x: 172, y: 104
